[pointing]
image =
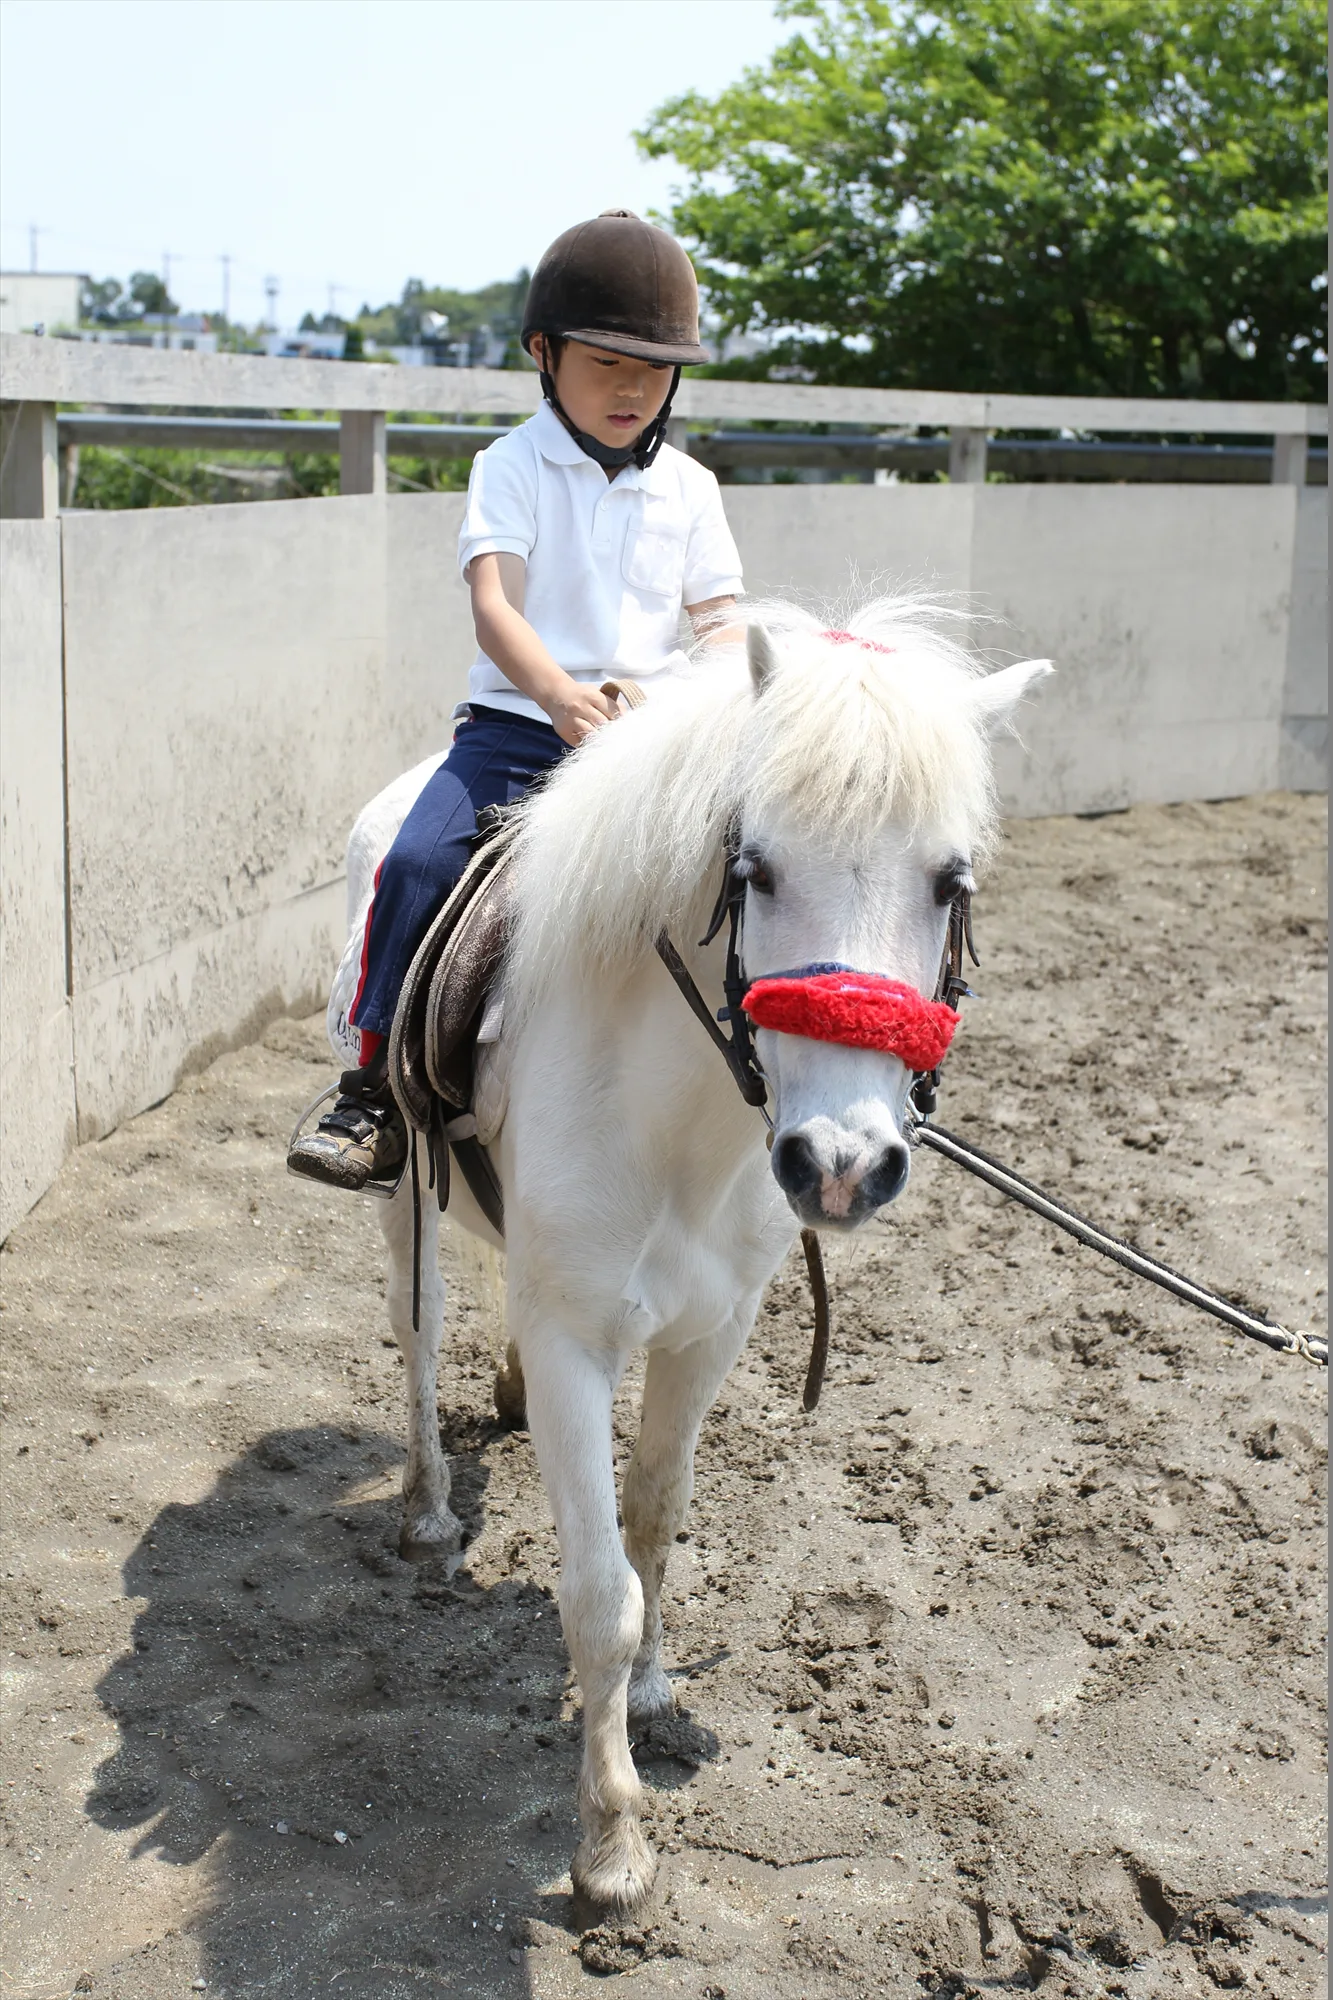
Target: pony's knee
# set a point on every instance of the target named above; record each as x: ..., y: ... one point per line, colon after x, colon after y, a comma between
x: 602, y: 1614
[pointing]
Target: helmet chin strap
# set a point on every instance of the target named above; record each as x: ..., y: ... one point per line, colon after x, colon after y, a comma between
x: 611, y: 457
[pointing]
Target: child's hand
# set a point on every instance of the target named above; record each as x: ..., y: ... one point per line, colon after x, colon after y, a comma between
x: 575, y: 711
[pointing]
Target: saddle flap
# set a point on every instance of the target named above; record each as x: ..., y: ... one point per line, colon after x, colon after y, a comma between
x: 409, y: 1075
x: 459, y: 986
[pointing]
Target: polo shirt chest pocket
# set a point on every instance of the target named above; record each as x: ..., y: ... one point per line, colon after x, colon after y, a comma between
x: 654, y: 558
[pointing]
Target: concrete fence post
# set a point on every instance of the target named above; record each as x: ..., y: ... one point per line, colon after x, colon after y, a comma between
x: 967, y: 455
x: 1289, y: 460
x: 29, y: 477
x: 363, y: 464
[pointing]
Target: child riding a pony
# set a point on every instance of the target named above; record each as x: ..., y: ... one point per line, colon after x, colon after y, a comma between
x: 584, y: 536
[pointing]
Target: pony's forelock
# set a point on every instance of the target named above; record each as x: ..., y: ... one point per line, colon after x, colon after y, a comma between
x: 846, y: 736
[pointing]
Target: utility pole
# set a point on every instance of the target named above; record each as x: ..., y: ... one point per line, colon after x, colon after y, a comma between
x: 33, y: 233
x: 166, y: 280
x: 271, y: 294
x: 226, y: 288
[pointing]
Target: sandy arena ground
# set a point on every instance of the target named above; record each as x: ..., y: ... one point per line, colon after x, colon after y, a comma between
x: 1001, y: 1673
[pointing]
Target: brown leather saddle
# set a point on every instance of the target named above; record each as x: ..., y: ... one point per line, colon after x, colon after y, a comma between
x: 433, y: 1042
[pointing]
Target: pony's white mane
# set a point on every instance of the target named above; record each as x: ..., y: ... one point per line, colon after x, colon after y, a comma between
x: 844, y: 738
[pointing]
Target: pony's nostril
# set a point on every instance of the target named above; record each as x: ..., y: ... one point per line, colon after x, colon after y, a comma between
x: 794, y: 1164
x: 888, y: 1177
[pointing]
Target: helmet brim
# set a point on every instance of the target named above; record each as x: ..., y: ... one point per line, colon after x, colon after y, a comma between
x: 678, y: 354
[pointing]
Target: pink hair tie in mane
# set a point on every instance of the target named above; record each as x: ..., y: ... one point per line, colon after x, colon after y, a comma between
x: 854, y: 639
x: 863, y: 1010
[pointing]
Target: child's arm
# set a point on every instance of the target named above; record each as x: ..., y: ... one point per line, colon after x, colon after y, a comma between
x: 708, y: 619
x: 505, y: 636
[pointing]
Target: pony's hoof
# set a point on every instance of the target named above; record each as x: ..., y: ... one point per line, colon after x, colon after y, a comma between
x: 511, y: 1395
x: 613, y: 1875
x: 433, y: 1537
x: 650, y: 1697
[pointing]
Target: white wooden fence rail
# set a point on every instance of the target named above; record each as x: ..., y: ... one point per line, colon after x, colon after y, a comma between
x: 36, y: 374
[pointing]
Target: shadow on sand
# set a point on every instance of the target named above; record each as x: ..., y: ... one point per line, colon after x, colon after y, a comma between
x: 375, y: 1767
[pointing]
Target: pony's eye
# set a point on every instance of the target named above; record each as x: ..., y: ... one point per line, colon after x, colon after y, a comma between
x: 951, y: 881
x: 753, y: 869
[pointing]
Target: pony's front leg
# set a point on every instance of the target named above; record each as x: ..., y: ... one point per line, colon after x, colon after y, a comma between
x: 429, y: 1527
x: 569, y: 1393
x: 678, y: 1392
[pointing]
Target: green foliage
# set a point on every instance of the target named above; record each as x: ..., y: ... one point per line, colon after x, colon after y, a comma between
x: 498, y: 306
x: 97, y: 300
x: 109, y: 478
x: 1096, y: 196
x: 150, y: 476
x: 109, y: 303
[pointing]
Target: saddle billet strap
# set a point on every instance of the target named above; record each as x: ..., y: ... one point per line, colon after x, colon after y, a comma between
x: 484, y: 1183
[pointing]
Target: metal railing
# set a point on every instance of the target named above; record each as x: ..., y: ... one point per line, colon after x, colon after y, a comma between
x: 725, y: 451
x: 38, y: 375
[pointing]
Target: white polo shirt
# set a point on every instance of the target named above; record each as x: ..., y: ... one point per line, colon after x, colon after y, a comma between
x: 610, y: 563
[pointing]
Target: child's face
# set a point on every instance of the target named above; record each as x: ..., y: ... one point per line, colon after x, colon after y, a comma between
x: 609, y: 396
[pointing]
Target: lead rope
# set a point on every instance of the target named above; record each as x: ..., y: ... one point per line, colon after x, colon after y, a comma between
x: 1310, y: 1347
x: 952, y: 986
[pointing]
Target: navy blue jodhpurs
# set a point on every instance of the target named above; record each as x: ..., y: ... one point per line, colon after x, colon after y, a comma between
x: 496, y: 757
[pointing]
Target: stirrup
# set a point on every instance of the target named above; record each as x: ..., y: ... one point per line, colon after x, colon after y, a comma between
x: 383, y: 1190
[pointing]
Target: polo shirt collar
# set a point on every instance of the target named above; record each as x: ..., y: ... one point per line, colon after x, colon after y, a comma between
x: 554, y: 441
x: 558, y: 447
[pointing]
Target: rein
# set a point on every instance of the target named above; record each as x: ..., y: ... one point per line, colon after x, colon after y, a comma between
x: 737, y: 1047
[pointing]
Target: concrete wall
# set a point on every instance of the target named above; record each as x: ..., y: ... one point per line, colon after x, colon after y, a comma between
x: 36, y: 1049
x: 1167, y: 615
x: 238, y: 680
x: 1188, y: 625
x: 1303, y: 753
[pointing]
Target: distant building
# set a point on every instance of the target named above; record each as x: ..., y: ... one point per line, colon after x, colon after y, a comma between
x: 309, y: 345
x: 482, y: 348
x: 39, y: 301
x: 188, y: 333
x: 733, y: 346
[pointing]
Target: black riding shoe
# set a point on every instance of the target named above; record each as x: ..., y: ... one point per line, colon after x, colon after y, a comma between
x: 362, y: 1139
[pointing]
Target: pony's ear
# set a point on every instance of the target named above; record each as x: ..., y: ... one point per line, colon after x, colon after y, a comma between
x: 996, y: 698
x: 759, y: 652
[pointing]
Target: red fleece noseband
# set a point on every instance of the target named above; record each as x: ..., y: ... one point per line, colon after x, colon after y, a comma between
x: 835, y: 1003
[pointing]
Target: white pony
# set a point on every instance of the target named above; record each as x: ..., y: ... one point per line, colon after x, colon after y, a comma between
x: 643, y: 1208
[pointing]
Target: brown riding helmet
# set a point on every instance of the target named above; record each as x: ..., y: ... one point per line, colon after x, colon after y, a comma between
x: 621, y: 285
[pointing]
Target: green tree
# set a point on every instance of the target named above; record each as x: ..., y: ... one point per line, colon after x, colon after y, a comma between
x: 499, y: 306
x: 146, y: 294
x: 98, y: 298
x: 1114, y: 196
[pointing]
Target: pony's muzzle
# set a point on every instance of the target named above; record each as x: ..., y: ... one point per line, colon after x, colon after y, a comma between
x: 835, y: 1178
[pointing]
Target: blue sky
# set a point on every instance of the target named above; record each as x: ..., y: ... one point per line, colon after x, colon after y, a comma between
x: 347, y: 143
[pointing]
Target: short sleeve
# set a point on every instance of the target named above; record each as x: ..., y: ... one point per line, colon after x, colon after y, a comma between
x: 500, y: 517
x: 712, y: 560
